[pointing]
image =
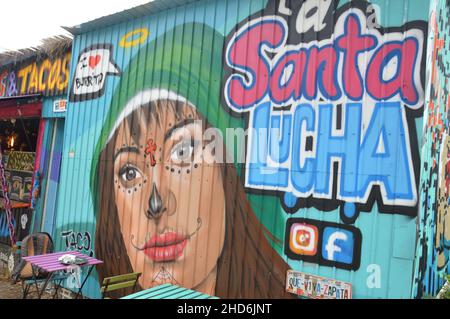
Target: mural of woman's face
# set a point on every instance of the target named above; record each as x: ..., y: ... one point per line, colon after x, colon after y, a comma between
x: 170, y: 202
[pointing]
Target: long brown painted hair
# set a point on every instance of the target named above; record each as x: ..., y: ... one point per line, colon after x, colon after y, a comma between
x: 248, y: 266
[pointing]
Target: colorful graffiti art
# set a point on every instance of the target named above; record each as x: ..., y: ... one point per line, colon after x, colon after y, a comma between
x: 434, y: 240
x: 78, y: 241
x: 20, y: 223
x: 21, y: 161
x: 328, y: 142
x: 329, y: 96
x: 94, y: 64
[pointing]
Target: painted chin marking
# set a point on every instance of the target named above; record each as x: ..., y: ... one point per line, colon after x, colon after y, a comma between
x: 164, y: 276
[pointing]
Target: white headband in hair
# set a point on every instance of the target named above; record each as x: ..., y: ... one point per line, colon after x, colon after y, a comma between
x: 145, y: 97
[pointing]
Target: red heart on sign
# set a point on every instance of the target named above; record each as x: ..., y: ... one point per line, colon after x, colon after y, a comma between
x: 94, y: 61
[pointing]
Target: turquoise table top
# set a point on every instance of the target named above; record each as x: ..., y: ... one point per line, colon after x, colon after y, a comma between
x: 168, y: 291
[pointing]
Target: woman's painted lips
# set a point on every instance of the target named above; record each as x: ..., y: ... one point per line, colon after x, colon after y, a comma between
x: 165, y: 247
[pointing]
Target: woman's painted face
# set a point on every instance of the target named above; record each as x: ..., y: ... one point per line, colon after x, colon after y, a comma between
x: 170, y: 201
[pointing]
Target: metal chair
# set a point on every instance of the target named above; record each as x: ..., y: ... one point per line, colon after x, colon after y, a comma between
x: 31, y: 245
x: 119, y: 282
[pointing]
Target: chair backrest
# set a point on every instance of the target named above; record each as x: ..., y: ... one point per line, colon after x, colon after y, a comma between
x: 36, y: 244
x: 31, y: 245
x: 17, y: 250
x: 119, y: 282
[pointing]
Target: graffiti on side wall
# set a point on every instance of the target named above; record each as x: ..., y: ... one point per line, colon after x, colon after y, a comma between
x: 77, y: 241
x: 4, y: 230
x: 50, y: 77
x: 434, y: 240
x: 21, y: 224
x: 328, y: 143
x: 320, y: 91
x: 94, y: 64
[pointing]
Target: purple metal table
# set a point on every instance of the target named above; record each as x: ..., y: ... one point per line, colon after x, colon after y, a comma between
x: 50, y: 264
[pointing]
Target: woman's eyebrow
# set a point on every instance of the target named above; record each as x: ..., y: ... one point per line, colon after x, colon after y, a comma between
x: 126, y: 149
x: 177, y: 126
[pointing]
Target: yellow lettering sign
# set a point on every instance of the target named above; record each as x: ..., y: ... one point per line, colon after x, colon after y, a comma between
x: 54, y: 74
x: 63, y: 81
x: 23, y: 75
x: 45, y: 67
x: 33, y: 86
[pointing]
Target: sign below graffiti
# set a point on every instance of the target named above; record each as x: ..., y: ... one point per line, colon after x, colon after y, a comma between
x: 316, y: 287
x: 59, y: 106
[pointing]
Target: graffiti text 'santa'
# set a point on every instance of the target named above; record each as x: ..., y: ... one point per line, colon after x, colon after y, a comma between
x: 357, y: 63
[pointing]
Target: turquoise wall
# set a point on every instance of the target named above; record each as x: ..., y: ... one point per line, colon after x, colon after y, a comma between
x: 47, y: 107
x: 384, y: 267
x: 433, y: 249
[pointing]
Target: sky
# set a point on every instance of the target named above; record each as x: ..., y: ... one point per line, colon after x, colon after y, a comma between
x: 23, y: 23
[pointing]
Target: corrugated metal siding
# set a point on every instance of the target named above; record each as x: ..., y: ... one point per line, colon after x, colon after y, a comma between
x: 43, y: 169
x: 433, y: 243
x: 48, y: 107
x: 192, y: 69
x: 150, y: 8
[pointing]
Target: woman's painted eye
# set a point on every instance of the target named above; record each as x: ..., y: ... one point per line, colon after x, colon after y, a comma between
x: 128, y: 173
x: 182, y: 152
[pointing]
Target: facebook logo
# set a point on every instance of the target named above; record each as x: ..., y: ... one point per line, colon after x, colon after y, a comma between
x: 338, y: 245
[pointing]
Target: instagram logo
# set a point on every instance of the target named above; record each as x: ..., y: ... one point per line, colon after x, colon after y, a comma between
x: 303, y: 239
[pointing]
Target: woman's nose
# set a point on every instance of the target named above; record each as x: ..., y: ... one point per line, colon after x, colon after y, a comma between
x: 155, y: 204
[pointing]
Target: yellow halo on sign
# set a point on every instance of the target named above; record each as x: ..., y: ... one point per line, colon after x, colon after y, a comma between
x: 130, y: 40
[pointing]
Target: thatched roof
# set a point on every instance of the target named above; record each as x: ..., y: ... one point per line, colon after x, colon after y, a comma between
x: 50, y: 47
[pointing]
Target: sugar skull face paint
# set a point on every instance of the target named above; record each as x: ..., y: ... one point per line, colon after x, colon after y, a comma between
x: 171, y: 212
